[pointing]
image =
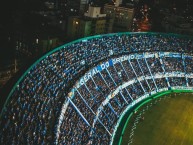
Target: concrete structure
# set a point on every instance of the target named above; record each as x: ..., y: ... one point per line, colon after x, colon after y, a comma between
x: 92, y: 23
x: 117, y: 2
x: 121, y: 17
x: 75, y: 7
x: 94, y: 12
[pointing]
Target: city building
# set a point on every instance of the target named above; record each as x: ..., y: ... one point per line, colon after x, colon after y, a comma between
x: 75, y: 7
x: 177, y: 24
x: 32, y: 43
x: 92, y: 23
x: 121, y: 17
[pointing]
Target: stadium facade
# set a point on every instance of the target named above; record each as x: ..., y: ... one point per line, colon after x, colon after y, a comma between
x: 77, y: 93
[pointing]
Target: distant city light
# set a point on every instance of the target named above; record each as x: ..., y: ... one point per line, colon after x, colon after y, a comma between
x: 37, y: 41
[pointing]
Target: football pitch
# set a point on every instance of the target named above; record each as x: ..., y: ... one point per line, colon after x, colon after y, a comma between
x: 167, y: 120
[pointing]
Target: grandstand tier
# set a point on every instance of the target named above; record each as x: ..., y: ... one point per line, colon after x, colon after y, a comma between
x: 76, y: 93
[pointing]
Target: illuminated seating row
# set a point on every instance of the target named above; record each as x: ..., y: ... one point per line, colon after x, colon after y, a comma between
x: 33, y: 111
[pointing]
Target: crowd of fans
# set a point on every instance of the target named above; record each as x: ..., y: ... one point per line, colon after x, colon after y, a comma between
x: 31, y: 114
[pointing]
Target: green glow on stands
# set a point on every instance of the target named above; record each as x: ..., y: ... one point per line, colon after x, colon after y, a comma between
x: 142, y: 104
x: 63, y: 47
x: 164, y: 93
x: 139, y: 105
x: 80, y: 40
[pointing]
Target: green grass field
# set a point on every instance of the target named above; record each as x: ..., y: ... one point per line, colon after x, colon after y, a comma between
x: 167, y: 122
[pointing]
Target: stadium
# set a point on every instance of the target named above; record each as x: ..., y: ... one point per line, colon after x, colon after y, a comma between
x: 79, y: 92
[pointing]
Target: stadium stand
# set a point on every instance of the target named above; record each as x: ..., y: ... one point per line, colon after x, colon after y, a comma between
x: 76, y: 93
